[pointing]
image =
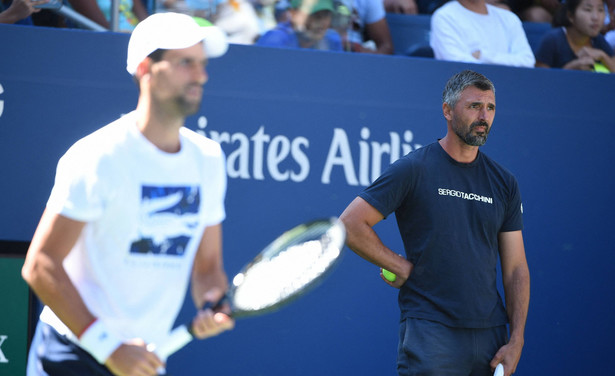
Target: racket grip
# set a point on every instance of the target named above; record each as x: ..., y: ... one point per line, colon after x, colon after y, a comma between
x: 215, y: 305
x: 182, y: 335
x: 178, y: 338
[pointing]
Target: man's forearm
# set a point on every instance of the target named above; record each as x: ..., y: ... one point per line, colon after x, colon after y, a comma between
x: 517, y: 289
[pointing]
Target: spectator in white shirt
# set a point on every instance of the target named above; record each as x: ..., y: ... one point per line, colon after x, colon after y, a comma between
x: 473, y: 31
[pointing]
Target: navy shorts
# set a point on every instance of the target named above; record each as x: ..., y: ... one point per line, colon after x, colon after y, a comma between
x: 52, y: 354
x: 429, y: 348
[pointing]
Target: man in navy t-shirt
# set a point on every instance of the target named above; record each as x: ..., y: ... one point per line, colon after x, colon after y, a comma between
x: 456, y: 210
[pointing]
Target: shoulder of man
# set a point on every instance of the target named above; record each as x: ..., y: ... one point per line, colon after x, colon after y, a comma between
x: 205, y: 144
x: 497, y: 166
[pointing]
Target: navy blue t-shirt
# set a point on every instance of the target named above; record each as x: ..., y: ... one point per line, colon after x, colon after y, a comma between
x: 449, y: 215
x: 555, y: 51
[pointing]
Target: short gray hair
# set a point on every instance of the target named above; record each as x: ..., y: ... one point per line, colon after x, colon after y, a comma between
x: 462, y: 80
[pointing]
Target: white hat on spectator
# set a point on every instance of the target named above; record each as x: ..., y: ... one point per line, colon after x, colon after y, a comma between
x: 172, y: 31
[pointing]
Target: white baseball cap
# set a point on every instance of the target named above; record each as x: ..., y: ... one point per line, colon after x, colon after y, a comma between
x: 172, y: 31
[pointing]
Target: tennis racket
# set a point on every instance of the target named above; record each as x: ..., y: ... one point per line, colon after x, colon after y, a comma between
x: 293, y: 264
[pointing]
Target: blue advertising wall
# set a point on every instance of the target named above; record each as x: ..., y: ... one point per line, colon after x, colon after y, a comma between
x: 304, y: 132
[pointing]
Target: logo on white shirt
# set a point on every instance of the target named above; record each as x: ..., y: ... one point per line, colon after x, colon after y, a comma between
x: 167, y: 220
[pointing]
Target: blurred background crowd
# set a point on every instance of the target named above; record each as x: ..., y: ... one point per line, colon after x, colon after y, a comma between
x: 580, y: 34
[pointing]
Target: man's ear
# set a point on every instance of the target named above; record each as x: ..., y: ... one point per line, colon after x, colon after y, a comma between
x: 143, y: 68
x: 447, y: 111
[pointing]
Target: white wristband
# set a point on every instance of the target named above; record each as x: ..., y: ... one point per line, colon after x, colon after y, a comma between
x: 99, y: 341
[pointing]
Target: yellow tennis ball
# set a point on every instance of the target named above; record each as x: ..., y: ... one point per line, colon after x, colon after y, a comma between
x: 600, y: 68
x: 391, y: 277
x: 202, y: 22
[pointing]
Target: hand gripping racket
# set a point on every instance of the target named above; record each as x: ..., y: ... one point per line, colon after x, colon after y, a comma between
x: 294, y: 263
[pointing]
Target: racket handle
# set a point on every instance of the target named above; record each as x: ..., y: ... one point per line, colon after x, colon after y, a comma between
x: 178, y: 338
x: 215, y: 305
x: 181, y: 336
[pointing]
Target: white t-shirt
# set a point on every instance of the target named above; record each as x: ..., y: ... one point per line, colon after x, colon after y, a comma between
x: 146, y: 211
x: 456, y: 32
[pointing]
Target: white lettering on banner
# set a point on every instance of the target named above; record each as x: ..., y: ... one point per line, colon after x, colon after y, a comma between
x: 277, y: 150
x: 284, y: 159
x: 3, y: 358
x: 340, y: 155
x: 1, y: 101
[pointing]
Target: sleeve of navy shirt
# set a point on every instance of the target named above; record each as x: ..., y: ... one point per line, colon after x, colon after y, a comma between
x: 385, y: 194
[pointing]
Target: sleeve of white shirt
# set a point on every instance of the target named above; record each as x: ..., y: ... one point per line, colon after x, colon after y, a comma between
x: 519, y: 53
x: 447, y: 40
x: 214, y: 178
x: 375, y: 11
x: 216, y: 207
x: 78, y: 192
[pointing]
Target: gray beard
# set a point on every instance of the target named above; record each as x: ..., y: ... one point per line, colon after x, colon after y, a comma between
x: 472, y: 139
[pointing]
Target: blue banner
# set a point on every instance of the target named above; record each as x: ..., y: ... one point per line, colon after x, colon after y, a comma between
x: 304, y: 132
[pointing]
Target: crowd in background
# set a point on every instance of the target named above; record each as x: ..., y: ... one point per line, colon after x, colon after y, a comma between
x: 479, y: 31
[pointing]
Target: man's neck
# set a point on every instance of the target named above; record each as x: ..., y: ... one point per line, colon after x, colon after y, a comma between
x: 162, y: 131
x: 476, y: 6
x: 458, y: 150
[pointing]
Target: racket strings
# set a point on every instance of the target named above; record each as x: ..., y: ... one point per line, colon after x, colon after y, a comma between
x: 287, y: 270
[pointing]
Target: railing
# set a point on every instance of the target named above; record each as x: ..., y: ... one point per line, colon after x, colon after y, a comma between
x: 85, y: 22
